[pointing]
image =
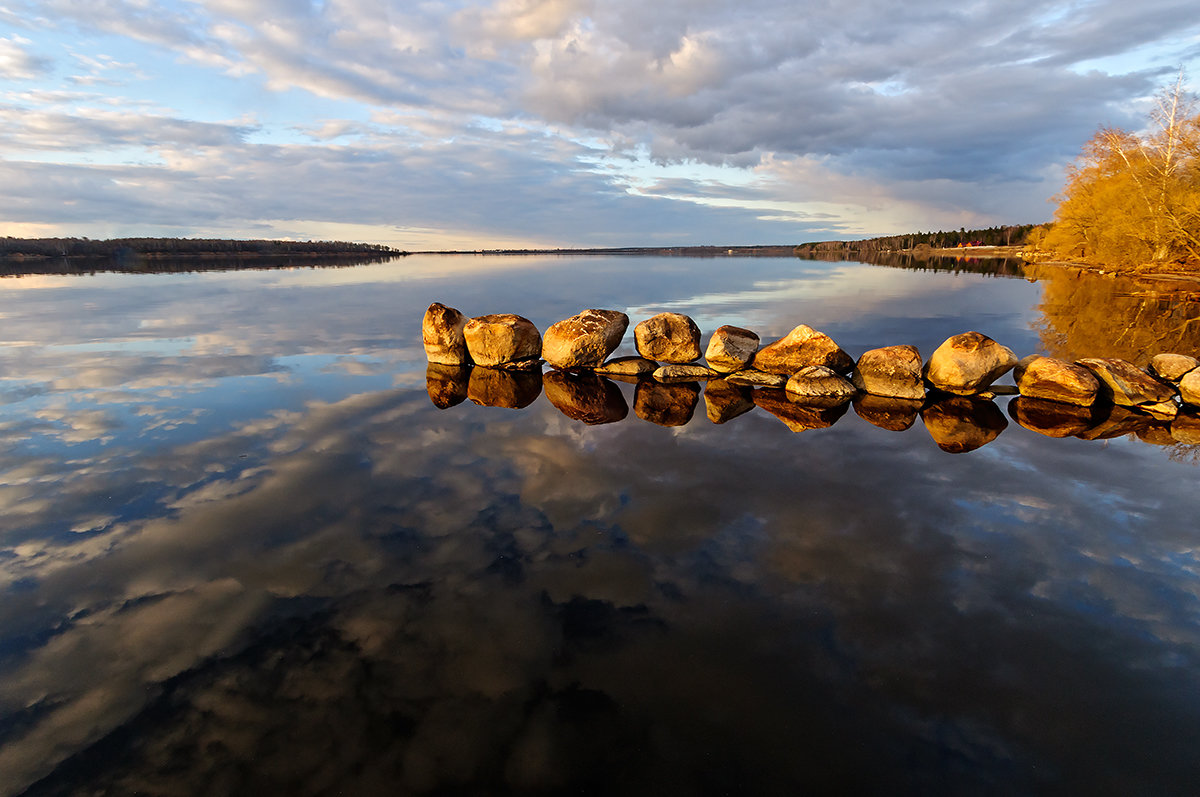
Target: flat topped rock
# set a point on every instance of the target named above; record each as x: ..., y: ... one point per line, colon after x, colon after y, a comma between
x: 731, y: 349
x: 968, y: 363
x: 751, y: 377
x: 816, y: 384
x: 442, y: 335
x: 502, y: 339
x: 1123, y: 383
x: 893, y: 371
x: 1052, y: 379
x: 628, y: 366
x: 678, y: 372
x: 584, y: 339
x: 668, y: 338
x: 801, y: 347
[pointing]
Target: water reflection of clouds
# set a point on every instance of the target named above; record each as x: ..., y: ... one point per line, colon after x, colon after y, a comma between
x: 471, y: 597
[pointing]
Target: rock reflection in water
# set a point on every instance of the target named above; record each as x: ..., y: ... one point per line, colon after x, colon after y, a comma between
x: 724, y: 401
x: 893, y: 414
x: 666, y: 404
x: 795, y: 416
x: 1052, y: 418
x: 447, y: 384
x: 585, y: 397
x: 492, y: 387
x: 1116, y: 421
x: 959, y: 424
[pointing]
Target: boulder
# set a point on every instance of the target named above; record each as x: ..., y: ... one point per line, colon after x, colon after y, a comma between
x: 816, y: 384
x: 754, y: 378
x: 677, y: 372
x: 628, y: 366
x: 514, y: 390
x: 1052, y: 418
x: 1123, y: 383
x: 503, y: 340
x: 668, y: 338
x: 968, y: 363
x: 731, y: 349
x: 959, y: 424
x: 798, y: 417
x: 585, y: 397
x: 446, y: 384
x: 1055, y: 380
x: 891, y: 371
x: 666, y: 404
x: 724, y: 401
x: 584, y: 339
x: 800, y: 347
x: 442, y: 334
x: 1189, y: 388
x: 1172, y: 367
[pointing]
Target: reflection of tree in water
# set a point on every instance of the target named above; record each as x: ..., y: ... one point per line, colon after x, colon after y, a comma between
x: 1085, y: 314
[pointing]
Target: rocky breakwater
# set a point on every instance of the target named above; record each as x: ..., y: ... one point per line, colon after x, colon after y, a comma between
x: 805, y: 379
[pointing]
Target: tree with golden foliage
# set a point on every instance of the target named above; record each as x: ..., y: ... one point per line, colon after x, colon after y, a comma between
x: 1134, y: 198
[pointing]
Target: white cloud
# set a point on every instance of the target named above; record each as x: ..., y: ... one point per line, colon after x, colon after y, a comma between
x: 17, y: 62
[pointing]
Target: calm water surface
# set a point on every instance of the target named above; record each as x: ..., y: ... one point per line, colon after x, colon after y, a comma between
x: 241, y: 550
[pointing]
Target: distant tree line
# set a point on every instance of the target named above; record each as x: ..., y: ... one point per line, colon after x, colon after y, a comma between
x: 1134, y: 198
x: 181, y: 248
x: 1008, y: 235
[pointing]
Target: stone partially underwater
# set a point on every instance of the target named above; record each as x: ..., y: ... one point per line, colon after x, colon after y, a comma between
x: 804, y: 379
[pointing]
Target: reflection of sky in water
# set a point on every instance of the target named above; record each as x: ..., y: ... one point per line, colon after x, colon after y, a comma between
x: 240, y: 549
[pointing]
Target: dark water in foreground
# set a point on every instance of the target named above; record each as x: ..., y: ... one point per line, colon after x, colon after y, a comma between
x: 242, y: 551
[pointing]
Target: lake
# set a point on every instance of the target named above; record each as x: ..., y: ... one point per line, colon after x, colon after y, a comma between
x: 244, y: 548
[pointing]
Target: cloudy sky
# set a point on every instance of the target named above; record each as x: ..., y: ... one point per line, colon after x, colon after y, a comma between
x: 465, y: 123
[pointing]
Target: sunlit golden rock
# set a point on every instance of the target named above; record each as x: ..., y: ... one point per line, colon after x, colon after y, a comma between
x: 887, y: 412
x: 731, y: 349
x: 959, y: 424
x: 800, y: 347
x: 585, y: 397
x: 446, y: 384
x: 891, y: 371
x: 816, y: 384
x: 493, y: 387
x: 968, y: 363
x: 1116, y: 421
x: 798, y: 417
x: 1185, y: 428
x: 442, y: 335
x: 584, y: 339
x: 1051, y: 418
x: 1123, y: 383
x: 666, y: 404
x: 679, y: 372
x: 724, y: 401
x: 628, y: 366
x: 1189, y: 388
x: 668, y: 338
x: 751, y: 377
x: 1172, y: 367
x: 503, y: 340
x: 1056, y: 380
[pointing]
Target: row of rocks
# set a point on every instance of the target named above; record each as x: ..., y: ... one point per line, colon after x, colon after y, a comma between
x: 806, y: 363
x: 956, y: 423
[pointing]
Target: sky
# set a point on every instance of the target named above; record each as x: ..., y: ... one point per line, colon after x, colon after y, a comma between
x: 431, y: 124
